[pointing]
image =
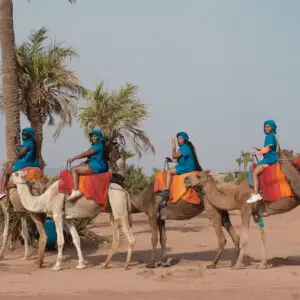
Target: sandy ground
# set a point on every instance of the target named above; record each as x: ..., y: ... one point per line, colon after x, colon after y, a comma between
x: 193, y: 242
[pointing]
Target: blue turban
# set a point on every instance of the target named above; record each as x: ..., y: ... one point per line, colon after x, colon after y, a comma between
x: 29, y: 131
x: 98, y: 133
x: 184, y: 135
x: 272, y: 124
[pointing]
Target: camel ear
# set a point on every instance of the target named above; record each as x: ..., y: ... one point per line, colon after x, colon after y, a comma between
x: 203, y: 173
x: 207, y: 172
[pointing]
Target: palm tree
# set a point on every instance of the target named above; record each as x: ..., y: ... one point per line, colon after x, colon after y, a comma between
x: 125, y: 155
x: 10, y: 84
x: 48, y: 87
x: 239, y: 162
x: 246, y: 158
x: 118, y: 115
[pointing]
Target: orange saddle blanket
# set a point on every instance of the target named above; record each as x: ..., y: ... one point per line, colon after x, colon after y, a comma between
x: 94, y: 186
x: 31, y: 174
x: 273, y: 184
x: 296, y: 163
x: 178, y: 190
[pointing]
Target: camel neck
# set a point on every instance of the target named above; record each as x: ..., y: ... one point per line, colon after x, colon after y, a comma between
x: 36, y: 204
x: 24, y: 194
x: 217, y: 197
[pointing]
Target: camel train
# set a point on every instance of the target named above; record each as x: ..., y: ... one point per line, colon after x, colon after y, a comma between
x: 215, y: 201
x: 178, y: 193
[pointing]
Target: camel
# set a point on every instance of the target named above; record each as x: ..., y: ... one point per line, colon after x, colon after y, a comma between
x: 53, y: 202
x: 39, y: 219
x: 236, y: 200
x: 148, y: 202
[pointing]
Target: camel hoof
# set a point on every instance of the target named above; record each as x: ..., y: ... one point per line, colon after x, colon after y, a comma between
x: 236, y: 267
x: 264, y: 266
x: 56, y: 268
x: 211, y: 266
x: 103, y: 266
x: 80, y: 267
x: 126, y: 267
x: 1, y: 256
x: 151, y: 265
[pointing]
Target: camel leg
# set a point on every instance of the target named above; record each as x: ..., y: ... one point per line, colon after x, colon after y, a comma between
x: 25, y: 236
x: 116, y: 240
x: 217, y: 224
x: 226, y: 223
x: 245, y: 215
x: 59, y: 224
x: 39, y: 220
x: 125, y: 225
x: 5, y: 230
x: 215, y: 217
x: 76, y: 242
x: 154, y: 238
x: 163, y: 238
x: 264, y: 262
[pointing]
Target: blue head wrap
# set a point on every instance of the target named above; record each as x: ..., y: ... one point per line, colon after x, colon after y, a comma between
x: 272, y: 124
x: 184, y: 135
x: 29, y: 131
x: 98, y: 133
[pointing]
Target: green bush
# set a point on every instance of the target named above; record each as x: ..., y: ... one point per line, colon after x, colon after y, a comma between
x: 241, y: 177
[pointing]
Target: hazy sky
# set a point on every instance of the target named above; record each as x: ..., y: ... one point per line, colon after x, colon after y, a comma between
x: 216, y: 69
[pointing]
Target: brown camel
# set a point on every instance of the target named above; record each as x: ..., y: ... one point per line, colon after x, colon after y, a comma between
x: 148, y: 202
x: 236, y: 200
x: 39, y: 218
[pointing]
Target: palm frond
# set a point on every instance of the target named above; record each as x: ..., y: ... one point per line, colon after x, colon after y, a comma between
x: 119, y: 114
x: 47, y: 85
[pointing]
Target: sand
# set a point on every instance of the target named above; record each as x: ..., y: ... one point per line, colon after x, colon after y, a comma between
x: 193, y: 242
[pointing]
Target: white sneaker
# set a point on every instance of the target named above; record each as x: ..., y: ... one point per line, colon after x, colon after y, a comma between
x: 2, y: 195
x: 254, y: 198
x: 75, y: 194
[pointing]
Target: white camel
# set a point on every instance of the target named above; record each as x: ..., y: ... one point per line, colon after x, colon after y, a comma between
x: 53, y: 202
x: 13, y: 199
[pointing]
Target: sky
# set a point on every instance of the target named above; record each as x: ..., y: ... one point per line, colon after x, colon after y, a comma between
x: 215, y: 69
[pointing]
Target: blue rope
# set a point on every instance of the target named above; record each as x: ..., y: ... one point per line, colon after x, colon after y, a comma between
x: 261, y: 220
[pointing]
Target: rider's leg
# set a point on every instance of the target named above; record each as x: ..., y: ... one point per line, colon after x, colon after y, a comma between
x: 171, y: 172
x: 76, y: 172
x: 255, y: 196
x: 7, y: 171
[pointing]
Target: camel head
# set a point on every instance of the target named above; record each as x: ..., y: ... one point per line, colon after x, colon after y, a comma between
x: 197, y: 180
x: 18, y: 177
x: 286, y: 154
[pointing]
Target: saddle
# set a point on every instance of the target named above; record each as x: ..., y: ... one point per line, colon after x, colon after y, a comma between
x: 93, y: 186
x: 178, y: 189
x: 35, y: 179
x: 272, y: 182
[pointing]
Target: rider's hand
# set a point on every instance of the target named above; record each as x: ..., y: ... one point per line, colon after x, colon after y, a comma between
x: 254, y: 153
x: 173, y: 143
x: 72, y: 159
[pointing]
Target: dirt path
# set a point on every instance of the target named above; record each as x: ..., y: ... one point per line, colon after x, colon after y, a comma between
x: 191, y: 241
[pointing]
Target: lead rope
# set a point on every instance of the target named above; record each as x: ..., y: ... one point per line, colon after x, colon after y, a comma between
x: 260, y: 206
x: 68, y: 168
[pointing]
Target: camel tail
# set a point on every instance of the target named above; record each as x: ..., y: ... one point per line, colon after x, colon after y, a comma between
x: 129, y: 208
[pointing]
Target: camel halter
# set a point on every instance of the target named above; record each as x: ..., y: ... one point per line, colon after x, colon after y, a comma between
x: 69, y: 165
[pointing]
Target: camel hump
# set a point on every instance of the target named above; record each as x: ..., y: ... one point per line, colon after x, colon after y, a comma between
x: 273, y: 184
x: 290, y: 169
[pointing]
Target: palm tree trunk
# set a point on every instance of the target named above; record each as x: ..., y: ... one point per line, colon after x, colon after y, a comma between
x: 40, y: 140
x: 39, y: 136
x: 10, y: 81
